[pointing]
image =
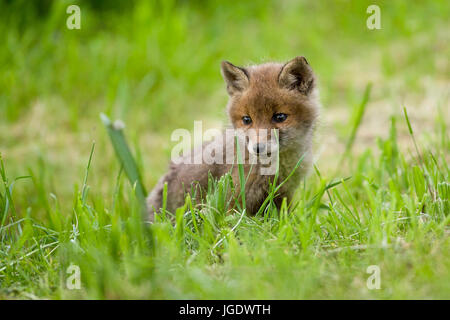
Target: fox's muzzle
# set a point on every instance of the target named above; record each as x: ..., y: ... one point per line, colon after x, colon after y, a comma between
x: 261, y: 141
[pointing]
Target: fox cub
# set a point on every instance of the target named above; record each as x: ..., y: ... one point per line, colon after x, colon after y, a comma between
x: 261, y: 98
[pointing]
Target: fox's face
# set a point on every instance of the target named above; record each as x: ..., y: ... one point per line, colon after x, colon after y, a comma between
x: 273, y: 96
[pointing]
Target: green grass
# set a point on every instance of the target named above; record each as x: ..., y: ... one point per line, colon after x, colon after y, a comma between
x: 378, y: 195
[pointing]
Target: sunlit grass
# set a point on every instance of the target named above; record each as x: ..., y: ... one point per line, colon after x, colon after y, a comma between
x: 378, y: 195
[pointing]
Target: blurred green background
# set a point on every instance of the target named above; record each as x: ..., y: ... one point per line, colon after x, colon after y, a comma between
x: 155, y: 65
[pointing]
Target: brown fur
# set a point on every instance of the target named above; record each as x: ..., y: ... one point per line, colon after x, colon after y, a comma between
x: 259, y: 92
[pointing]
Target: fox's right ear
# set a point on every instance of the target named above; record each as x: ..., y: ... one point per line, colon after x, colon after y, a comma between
x: 236, y: 78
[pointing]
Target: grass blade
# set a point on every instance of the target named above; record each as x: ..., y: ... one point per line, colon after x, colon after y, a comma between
x: 126, y: 159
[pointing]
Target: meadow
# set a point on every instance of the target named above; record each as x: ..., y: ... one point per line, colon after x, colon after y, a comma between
x: 378, y: 194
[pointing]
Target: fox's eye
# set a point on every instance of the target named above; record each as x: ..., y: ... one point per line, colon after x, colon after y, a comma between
x: 279, y: 117
x: 246, y: 120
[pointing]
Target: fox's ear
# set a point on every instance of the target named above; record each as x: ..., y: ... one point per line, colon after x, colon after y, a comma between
x: 236, y: 78
x: 298, y: 75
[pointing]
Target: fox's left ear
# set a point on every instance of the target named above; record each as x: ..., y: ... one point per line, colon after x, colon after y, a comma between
x: 298, y: 75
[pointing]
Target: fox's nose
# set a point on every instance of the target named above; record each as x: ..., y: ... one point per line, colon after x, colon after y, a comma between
x: 259, y: 147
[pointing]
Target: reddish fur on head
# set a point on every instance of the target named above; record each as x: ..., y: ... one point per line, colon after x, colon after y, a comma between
x: 264, y: 90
